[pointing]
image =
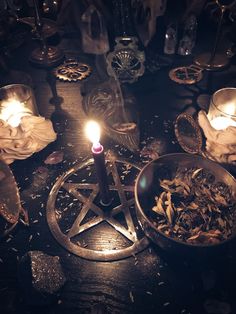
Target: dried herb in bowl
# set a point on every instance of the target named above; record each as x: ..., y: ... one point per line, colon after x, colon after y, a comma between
x: 194, y: 208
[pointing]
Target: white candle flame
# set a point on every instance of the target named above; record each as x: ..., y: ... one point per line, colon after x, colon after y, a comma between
x: 221, y: 123
x: 93, y: 132
x: 12, y: 111
x: 229, y: 108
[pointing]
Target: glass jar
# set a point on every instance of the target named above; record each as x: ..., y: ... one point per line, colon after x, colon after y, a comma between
x: 16, y: 101
x: 222, y: 109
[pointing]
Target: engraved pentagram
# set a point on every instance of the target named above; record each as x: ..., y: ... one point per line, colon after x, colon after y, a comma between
x: 88, y: 214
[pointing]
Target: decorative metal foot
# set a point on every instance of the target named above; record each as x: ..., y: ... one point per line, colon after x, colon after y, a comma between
x: 205, y: 61
x: 49, y: 57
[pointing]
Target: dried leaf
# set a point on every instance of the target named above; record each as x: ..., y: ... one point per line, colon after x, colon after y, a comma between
x: 54, y: 158
x: 158, y: 208
x: 196, y: 172
x: 196, y: 211
x: 170, y: 213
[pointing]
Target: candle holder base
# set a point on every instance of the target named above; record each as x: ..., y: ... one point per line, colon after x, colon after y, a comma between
x: 219, y: 62
x: 88, y: 229
x: 106, y: 204
x: 52, y: 56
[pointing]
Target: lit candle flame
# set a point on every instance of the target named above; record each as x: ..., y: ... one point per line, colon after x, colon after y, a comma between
x: 93, y: 132
x: 230, y: 108
x: 221, y: 123
x: 12, y: 111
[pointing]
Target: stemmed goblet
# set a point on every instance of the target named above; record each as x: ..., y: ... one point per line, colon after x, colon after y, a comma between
x: 214, y: 60
x: 44, y: 56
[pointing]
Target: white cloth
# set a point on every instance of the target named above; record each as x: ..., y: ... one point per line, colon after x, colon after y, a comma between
x: 220, y: 144
x: 33, y: 134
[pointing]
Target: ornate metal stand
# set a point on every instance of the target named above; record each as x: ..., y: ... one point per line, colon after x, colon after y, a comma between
x: 44, y: 56
x: 49, y: 27
x: 207, y: 62
x: 83, y: 226
x: 213, y: 61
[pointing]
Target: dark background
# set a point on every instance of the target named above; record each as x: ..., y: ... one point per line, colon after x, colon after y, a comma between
x: 152, y: 281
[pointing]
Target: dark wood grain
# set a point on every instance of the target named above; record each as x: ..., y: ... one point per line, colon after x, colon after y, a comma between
x: 150, y: 282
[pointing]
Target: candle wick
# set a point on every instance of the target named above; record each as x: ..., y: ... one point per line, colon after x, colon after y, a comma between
x: 97, y: 148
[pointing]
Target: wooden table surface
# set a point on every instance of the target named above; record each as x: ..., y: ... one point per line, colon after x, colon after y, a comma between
x: 149, y: 282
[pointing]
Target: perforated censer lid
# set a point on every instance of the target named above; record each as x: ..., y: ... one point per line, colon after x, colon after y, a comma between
x: 189, y: 134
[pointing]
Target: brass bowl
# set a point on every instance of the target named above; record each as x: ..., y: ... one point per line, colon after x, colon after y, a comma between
x: 148, y: 183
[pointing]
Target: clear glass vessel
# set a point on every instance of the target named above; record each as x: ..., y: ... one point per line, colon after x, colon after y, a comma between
x: 16, y: 101
x: 222, y: 109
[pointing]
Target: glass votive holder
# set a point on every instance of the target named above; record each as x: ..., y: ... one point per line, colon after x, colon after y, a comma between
x: 222, y: 109
x: 16, y: 101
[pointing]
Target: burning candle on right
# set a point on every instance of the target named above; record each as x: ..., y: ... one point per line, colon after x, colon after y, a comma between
x: 222, y: 110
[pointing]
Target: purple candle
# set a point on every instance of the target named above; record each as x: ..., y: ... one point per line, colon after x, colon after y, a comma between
x: 93, y: 133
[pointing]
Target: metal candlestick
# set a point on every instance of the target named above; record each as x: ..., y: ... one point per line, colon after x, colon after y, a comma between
x: 45, y: 56
x: 215, y: 61
x: 74, y: 212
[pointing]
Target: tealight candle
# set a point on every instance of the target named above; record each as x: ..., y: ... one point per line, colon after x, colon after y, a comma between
x: 222, y: 110
x: 93, y: 133
x: 221, y: 123
x: 12, y: 111
x: 16, y: 101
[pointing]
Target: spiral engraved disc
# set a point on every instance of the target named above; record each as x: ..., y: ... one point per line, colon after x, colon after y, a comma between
x: 72, y: 71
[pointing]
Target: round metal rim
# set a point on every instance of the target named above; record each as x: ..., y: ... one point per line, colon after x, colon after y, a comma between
x: 213, y: 101
x: 197, y: 130
x: 141, y: 212
x: 179, y: 81
x: 205, y: 65
x: 105, y: 255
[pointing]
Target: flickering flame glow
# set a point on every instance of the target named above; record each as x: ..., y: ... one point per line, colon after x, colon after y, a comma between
x: 221, y: 123
x: 93, y: 132
x: 12, y: 111
x: 230, y: 108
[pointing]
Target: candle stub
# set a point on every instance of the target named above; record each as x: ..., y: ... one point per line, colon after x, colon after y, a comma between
x: 101, y: 173
x: 93, y: 133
